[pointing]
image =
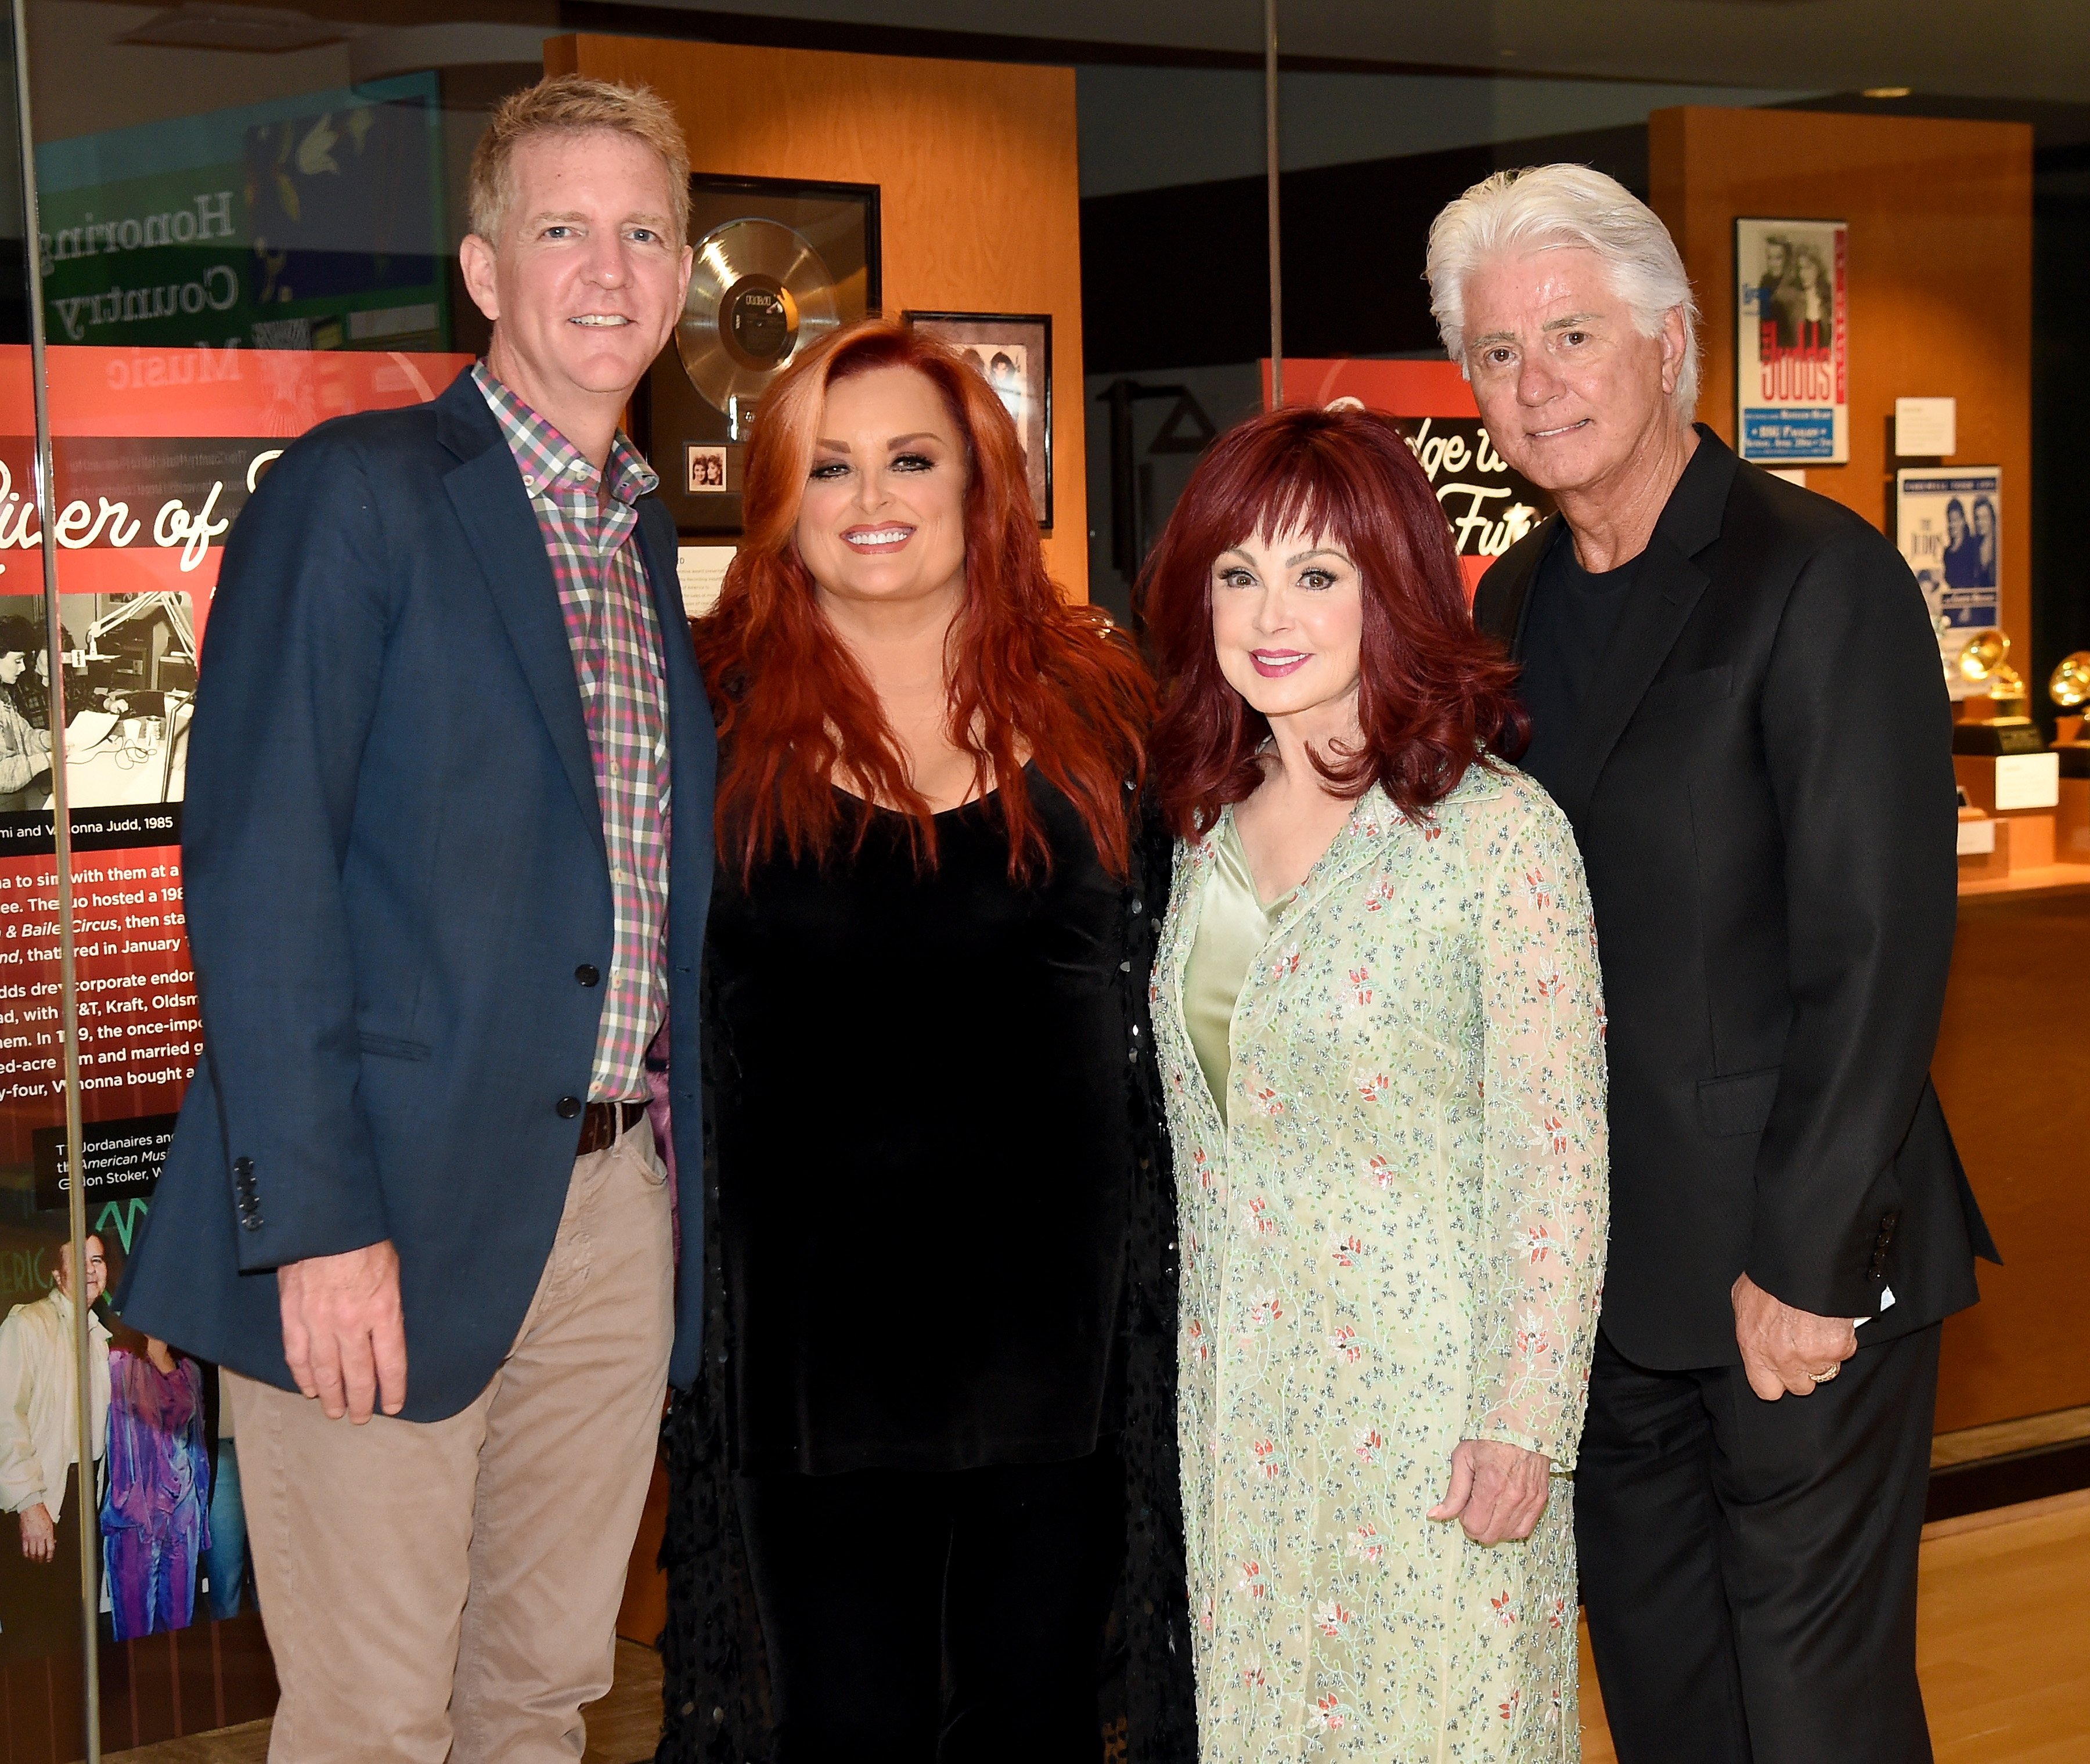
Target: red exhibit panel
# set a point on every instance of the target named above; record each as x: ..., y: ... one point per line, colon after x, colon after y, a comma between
x: 155, y: 452
x: 1489, y: 507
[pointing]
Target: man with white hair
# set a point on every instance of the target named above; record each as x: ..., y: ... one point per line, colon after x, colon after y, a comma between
x: 1735, y: 695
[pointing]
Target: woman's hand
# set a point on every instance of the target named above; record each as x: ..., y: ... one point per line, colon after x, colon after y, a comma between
x: 1498, y: 1491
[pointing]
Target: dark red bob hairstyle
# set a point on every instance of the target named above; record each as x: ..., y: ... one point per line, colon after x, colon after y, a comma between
x: 1028, y: 670
x: 1434, y: 695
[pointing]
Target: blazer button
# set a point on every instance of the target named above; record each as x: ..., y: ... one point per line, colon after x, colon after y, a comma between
x: 570, y: 1108
x: 242, y: 1168
x: 251, y: 1222
x: 588, y: 974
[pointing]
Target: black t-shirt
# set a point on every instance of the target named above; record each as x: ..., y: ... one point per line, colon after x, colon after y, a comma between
x: 924, y: 1143
x: 1572, y: 615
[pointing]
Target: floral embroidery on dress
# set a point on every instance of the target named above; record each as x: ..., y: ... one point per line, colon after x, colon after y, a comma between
x: 1397, y: 1243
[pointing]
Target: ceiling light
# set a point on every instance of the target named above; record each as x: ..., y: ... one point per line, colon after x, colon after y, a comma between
x: 1886, y: 91
x: 213, y: 24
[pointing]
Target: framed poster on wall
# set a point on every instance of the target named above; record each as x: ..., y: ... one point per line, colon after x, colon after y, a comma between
x: 1792, y: 341
x: 1949, y: 526
x: 779, y: 265
x: 1012, y: 352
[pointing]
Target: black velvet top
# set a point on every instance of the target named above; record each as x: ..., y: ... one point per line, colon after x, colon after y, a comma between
x: 716, y: 1693
x: 924, y: 1150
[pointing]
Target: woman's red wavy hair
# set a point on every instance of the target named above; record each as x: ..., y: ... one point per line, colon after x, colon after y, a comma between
x: 1435, y: 695
x: 1027, y: 669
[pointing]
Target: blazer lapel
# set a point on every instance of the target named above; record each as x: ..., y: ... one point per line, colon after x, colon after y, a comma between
x: 1508, y: 605
x: 486, y: 491
x: 1658, y: 605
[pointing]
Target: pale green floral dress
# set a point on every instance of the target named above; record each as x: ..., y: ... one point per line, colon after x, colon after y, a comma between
x: 1394, y: 1242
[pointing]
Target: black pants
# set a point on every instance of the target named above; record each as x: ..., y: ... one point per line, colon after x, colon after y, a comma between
x: 40, y: 1601
x: 1748, y: 1567
x: 917, y: 1618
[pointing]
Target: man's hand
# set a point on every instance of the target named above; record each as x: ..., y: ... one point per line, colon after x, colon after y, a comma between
x: 1785, y: 1351
x: 40, y: 1534
x: 344, y: 1332
x: 1498, y: 1491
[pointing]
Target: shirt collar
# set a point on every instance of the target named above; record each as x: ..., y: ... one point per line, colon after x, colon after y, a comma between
x: 545, y: 457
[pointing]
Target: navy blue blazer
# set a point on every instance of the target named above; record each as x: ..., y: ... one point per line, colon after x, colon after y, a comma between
x: 395, y: 872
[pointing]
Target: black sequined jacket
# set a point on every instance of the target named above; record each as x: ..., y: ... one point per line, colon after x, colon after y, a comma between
x: 715, y: 1688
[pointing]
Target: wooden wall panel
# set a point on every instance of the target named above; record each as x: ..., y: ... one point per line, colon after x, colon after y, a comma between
x: 1941, y: 280
x: 1940, y: 306
x: 2010, y: 1071
x: 979, y: 169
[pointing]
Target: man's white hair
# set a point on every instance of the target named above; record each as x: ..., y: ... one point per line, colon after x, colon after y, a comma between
x: 1551, y: 208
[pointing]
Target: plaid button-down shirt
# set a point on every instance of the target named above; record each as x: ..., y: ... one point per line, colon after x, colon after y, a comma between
x: 589, y: 535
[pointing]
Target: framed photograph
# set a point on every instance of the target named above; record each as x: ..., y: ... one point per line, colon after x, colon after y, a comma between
x: 1012, y: 352
x: 1949, y: 526
x: 779, y: 265
x: 704, y: 469
x: 1792, y: 344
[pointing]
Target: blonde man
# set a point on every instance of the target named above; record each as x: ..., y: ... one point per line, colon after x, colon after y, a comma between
x: 414, y: 1204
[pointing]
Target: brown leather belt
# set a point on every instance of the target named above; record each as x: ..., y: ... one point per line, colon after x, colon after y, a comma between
x: 603, y: 1123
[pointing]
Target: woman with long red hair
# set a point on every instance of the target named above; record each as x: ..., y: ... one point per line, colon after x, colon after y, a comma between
x: 1378, y: 1011
x: 938, y: 1398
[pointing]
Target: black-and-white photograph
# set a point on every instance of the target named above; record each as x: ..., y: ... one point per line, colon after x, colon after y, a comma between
x: 1012, y: 352
x: 129, y: 664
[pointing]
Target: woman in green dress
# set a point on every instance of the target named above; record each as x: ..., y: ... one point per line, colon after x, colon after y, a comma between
x: 1378, y: 1016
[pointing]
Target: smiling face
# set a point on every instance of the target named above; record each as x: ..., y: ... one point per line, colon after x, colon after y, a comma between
x: 586, y: 282
x: 1569, y: 388
x: 1288, y: 625
x: 883, y: 517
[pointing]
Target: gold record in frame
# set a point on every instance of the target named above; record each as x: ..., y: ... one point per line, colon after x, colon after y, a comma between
x: 758, y: 293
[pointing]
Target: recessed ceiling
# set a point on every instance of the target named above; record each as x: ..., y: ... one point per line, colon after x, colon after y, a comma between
x: 2011, y: 49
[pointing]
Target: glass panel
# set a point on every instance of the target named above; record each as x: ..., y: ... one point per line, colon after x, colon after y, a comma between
x: 249, y: 217
x: 241, y: 238
x: 42, y: 1681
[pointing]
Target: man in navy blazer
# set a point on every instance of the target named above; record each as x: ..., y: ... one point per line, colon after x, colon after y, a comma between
x: 448, y: 852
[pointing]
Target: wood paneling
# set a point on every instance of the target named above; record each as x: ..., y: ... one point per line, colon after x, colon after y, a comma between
x: 1940, y: 214
x: 977, y: 170
x: 2009, y: 1070
x: 1941, y: 280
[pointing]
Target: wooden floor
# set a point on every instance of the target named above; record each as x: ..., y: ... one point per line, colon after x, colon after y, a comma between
x: 623, y: 1728
x: 2002, y: 1638
x: 2004, y: 1649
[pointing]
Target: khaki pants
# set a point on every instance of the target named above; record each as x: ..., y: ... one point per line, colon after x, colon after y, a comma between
x: 448, y: 1590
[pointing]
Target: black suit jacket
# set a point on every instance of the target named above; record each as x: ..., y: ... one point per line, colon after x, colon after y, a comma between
x: 1761, y: 785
